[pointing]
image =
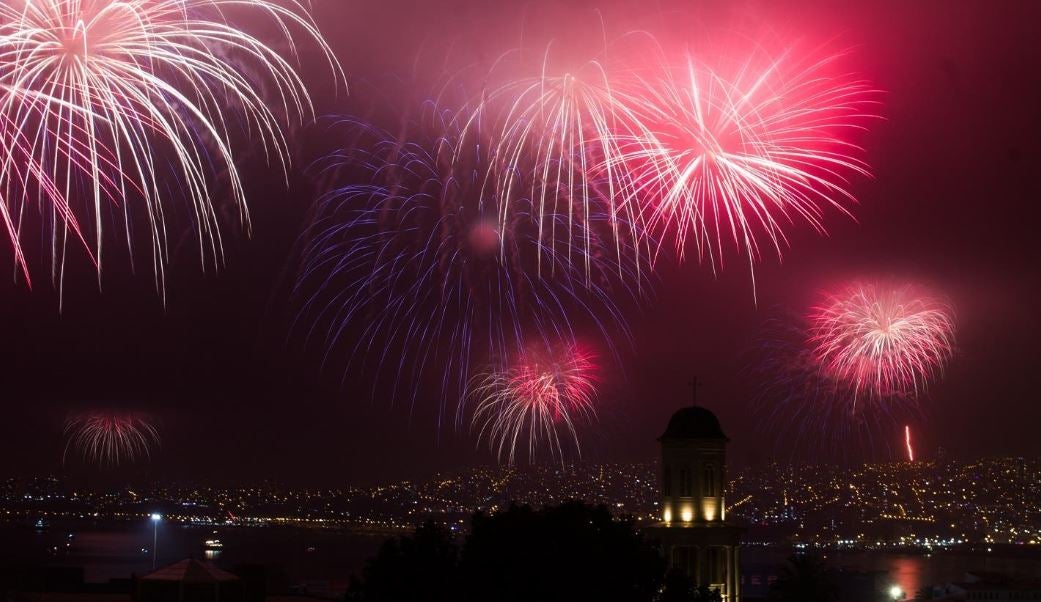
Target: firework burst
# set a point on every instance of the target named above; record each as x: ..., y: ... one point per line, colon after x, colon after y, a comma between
x: 538, y: 400
x: 553, y: 138
x: 884, y: 341
x: 111, y: 438
x: 809, y: 413
x: 117, y: 99
x: 735, y: 160
x: 426, y: 279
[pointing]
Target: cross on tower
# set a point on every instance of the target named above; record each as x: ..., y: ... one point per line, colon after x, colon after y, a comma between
x: 693, y: 384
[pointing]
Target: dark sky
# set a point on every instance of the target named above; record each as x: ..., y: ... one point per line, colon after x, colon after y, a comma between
x: 953, y: 204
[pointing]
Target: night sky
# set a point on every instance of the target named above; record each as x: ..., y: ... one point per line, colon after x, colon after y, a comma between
x: 952, y: 204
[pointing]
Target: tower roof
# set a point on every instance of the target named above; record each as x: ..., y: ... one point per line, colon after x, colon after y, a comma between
x: 190, y: 570
x: 694, y: 422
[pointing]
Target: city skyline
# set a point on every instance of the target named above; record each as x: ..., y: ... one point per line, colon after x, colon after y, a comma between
x: 917, y: 506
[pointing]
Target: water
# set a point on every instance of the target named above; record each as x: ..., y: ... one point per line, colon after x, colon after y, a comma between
x: 910, y: 572
x: 119, y: 550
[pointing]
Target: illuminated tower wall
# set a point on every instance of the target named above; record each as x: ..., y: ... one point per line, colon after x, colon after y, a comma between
x: 693, y: 478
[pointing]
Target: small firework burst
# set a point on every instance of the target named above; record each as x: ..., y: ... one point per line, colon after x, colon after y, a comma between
x: 539, y: 399
x: 110, y: 439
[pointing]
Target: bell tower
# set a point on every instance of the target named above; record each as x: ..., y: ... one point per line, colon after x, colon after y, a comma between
x: 693, y: 462
x: 693, y: 531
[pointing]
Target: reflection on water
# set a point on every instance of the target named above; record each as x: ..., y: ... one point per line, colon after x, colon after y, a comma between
x: 907, y: 573
x: 912, y: 572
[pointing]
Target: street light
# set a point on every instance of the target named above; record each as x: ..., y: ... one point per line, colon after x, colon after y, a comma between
x: 156, y: 517
x: 896, y: 593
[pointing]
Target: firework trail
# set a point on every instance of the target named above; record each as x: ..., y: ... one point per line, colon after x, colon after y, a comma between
x: 414, y: 275
x: 120, y: 102
x: 110, y: 438
x: 736, y: 159
x: 882, y: 340
x: 907, y: 441
x: 537, y: 398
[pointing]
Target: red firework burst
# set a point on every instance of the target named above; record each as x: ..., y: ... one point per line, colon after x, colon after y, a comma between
x: 111, y: 438
x: 882, y: 340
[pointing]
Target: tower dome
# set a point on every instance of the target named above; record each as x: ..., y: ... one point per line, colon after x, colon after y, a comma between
x: 694, y: 422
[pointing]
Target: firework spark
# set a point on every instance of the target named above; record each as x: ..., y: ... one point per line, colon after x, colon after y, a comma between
x: 111, y: 438
x: 540, y: 396
x: 119, y: 99
x: 416, y: 265
x: 741, y: 158
x: 884, y: 341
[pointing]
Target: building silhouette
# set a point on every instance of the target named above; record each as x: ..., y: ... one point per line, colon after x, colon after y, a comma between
x: 693, y: 533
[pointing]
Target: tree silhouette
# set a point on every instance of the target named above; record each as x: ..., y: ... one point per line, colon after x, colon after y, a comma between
x: 569, y: 552
x: 422, y: 567
x: 804, y: 578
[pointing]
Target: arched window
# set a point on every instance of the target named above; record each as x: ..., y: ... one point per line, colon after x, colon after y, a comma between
x: 666, y: 485
x: 709, y: 481
x: 684, y: 482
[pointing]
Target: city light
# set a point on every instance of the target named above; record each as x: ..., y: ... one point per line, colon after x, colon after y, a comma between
x: 896, y: 593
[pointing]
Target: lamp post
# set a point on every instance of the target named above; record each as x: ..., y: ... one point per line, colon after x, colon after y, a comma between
x: 156, y: 517
x: 896, y: 593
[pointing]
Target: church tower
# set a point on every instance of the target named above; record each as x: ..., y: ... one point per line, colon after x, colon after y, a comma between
x: 693, y: 531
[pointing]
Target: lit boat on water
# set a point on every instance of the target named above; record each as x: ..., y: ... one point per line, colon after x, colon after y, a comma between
x: 212, y: 544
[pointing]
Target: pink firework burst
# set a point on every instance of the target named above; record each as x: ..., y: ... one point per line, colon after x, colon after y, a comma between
x: 111, y: 438
x: 736, y: 159
x: 882, y: 340
x: 540, y: 396
x: 116, y: 103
